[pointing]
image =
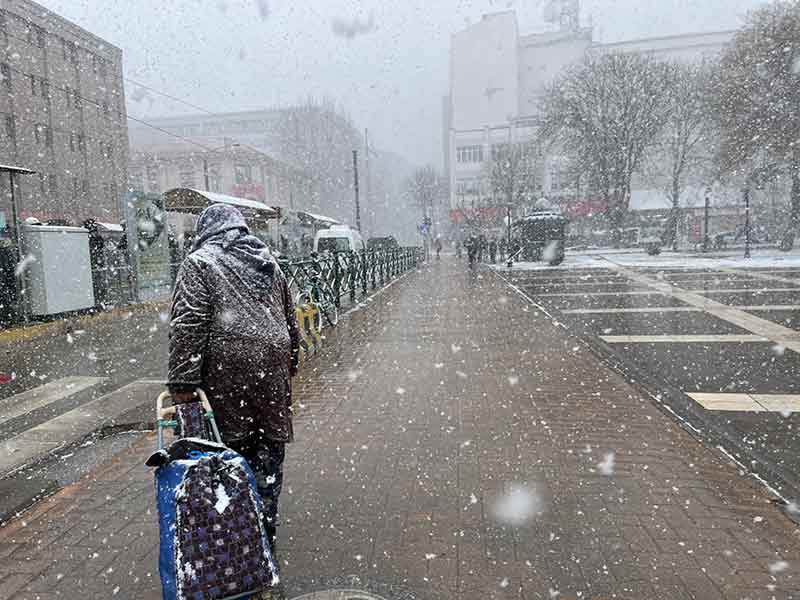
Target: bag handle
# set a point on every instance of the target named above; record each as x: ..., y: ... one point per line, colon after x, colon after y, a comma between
x: 165, y: 415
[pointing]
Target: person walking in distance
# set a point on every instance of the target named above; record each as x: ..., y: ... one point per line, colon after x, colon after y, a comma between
x: 438, y: 246
x: 233, y: 333
x: 493, y: 250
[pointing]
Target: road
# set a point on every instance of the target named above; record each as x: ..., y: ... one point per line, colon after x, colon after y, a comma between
x: 718, y: 341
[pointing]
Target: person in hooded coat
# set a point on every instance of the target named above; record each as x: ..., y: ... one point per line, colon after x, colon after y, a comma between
x: 233, y: 333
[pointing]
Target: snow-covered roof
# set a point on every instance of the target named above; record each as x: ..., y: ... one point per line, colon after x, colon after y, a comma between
x: 188, y: 200
x: 321, y: 218
x: 111, y: 227
x: 13, y: 169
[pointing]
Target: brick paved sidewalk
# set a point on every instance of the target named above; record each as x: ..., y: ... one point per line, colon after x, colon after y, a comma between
x: 442, y: 410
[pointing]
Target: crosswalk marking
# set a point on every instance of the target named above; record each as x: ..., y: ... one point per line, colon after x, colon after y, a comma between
x: 43, y: 395
x: 764, y: 290
x: 779, y: 334
x: 630, y: 293
x: 617, y: 311
x: 782, y: 403
x: 675, y: 309
x: 684, y: 339
x: 762, y: 276
x: 38, y: 442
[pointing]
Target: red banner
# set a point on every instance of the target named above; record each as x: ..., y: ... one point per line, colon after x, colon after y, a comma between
x: 250, y: 191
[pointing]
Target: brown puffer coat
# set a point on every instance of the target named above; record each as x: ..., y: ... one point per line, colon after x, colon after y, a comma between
x: 233, y: 330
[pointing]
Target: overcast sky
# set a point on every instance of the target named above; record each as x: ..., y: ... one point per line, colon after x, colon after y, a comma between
x: 385, y: 60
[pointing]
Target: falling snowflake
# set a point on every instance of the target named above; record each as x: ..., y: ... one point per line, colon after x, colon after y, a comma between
x: 518, y: 506
x: 400, y: 391
x: 778, y: 566
x: 513, y: 379
x: 607, y: 466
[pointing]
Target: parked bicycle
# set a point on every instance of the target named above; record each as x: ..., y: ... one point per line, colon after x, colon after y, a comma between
x: 317, y: 291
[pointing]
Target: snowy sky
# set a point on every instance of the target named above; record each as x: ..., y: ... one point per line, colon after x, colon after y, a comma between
x: 244, y: 54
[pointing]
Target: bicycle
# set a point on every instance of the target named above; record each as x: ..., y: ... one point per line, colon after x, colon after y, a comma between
x: 317, y: 291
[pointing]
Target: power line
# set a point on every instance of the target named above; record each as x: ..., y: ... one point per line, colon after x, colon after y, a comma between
x: 155, y: 91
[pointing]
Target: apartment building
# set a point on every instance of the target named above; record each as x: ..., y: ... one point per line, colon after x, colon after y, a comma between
x: 62, y: 114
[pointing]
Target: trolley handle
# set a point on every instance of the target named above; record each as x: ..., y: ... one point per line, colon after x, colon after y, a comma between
x: 165, y: 415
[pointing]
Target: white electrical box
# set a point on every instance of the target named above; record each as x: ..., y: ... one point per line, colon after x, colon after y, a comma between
x: 57, y: 269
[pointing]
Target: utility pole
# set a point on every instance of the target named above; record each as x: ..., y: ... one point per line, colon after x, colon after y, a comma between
x: 705, y: 219
x: 355, y: 185
x: 368, y: 197
x: 747, y: 221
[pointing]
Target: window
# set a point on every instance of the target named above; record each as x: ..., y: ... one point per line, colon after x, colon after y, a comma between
x: 469, y: 154
x: 33, y: 84
x: 68, y: 93
x: 85, y: 187
x: 75, y: 186
x: 556, y: 178
x: 48, y: 136
x: 42, y: 183
x: 11, y: 128
x: 40, y: 37
x: 499, y: 150
x: 72, y: 137
x: 53, y: 183
x: 5, y: 74
x: 45, y: 88
x: 243, y: 174
x: 37, y: 133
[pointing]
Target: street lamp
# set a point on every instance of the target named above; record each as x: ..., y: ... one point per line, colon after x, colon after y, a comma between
x: 510, y: 262
x: 705, y: 218
x: 747, y: 221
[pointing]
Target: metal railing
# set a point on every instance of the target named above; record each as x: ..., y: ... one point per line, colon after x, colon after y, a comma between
x: 349, y: 274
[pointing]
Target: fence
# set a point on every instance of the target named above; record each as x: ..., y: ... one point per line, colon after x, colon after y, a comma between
x: 348, y: 274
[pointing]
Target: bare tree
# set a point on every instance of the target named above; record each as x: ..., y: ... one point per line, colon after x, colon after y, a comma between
x: 604, y: 114
x: 425, y: 186
x: 682, y: 153
x: 319, y: 137
x: 513, y: 173
x: 758, y: 99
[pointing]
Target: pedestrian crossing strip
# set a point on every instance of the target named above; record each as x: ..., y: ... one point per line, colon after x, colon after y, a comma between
x: 737, y: 402
x: 45, y: 438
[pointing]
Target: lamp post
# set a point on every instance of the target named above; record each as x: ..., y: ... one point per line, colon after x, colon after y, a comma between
x: 705, y: 219
x: 747, y: 221
x: 510, y: 262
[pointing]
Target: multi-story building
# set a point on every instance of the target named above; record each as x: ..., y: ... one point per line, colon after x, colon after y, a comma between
x: 62, y: 114
x: 497, y: 81
x: 227, y: 167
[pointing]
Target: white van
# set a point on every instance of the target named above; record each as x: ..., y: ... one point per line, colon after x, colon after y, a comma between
x: 339, y: 238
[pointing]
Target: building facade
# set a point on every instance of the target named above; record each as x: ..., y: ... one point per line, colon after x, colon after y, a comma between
x: 62, y: 114
x: 228, y: 167
x: 497, y: 81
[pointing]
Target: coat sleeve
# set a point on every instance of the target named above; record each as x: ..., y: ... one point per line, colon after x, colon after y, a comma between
x: 291, y: 322
x: 189, y: 326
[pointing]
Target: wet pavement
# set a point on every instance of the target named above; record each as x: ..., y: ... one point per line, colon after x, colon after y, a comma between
x: 453, y: 442
x: 722, y: 357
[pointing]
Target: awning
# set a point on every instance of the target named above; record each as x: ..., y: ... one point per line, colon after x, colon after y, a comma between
x: 13, y: 169
x: 193, y: 202
x: 320, y: 218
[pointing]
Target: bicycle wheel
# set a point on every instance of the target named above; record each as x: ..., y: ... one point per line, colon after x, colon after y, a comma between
x: 331, y: 313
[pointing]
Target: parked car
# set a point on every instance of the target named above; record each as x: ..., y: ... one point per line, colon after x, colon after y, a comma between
x: 339, y: 238
x: 382, y: 243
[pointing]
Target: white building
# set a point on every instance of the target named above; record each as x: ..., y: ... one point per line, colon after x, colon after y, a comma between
x: 497, y: 80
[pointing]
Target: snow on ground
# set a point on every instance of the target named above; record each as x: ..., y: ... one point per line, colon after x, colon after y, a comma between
x: 668, y: 260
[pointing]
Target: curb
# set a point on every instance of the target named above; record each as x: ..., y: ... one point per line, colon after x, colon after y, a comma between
x: 69, y: 323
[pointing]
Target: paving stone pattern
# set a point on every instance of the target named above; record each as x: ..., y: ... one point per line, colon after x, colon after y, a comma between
x: 441, y: 409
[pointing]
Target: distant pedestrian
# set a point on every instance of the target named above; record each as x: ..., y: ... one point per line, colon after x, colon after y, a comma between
x: 438, y: 246
x: 502, y: 248
x: 493, y: 250
x: 233, y: 333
